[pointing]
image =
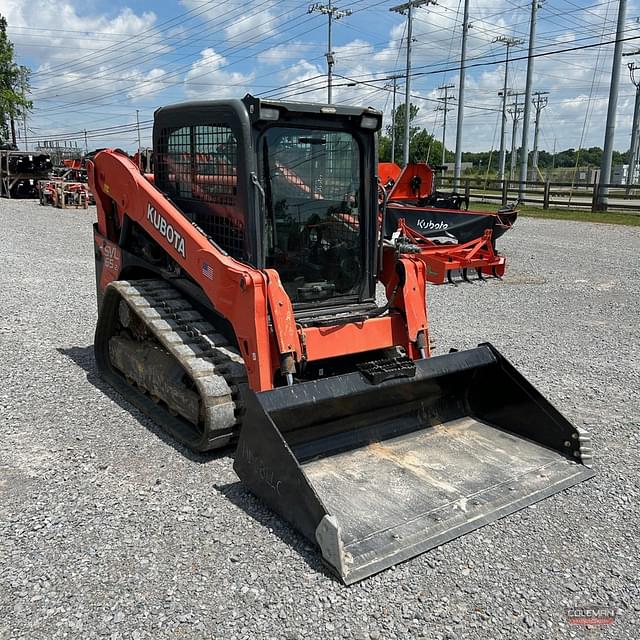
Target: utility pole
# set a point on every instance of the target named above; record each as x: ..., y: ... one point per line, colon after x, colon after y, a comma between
x: 635, y: 133
x: 508, y: 42
x: 23, y: 91
x: 401, y: 9
x: 463, y: 62
x: 540, y: 101
x: 610, y: 129
x: 139, y: 143
x: 444, y: 108
x: 138, y: 128
x: 393, y: 117
x: 516, y: 111
x: 333, y: 13
x: 524, y: 160
x: 24, y: 124
x: 86, y: 142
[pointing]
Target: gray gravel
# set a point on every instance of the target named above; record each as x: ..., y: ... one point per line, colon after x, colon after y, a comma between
x: 109, y: 530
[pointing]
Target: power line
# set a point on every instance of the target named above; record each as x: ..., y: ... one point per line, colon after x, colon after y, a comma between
x: 156, y: 79
x: 152, y: 55
x: 230, y: 19
x: 413, y: 74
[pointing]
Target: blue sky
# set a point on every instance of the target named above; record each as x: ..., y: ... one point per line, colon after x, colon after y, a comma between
x: 95, y: 63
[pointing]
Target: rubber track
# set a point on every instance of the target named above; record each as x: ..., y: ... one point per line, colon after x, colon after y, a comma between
x: 215, y: 366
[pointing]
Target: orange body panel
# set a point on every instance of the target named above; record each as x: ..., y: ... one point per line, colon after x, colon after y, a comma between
x: 375, y: 333
x: 252, y: 300
x: 239, y: 292
x: 282, y: 316
x: 111, y: 260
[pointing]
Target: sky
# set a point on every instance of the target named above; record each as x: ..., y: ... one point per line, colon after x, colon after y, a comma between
x: 97, y: 65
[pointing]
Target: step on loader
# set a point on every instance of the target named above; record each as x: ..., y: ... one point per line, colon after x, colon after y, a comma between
x: 237, y: 306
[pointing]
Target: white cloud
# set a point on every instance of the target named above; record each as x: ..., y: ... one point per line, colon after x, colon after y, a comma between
x: 88, y: 64
x: 240, y: 21
x: 208, y: 79
x: 145, y: 84
x: 281, y: 53
x: 307, y: 82
x: 54, y: 33
x: 252, y: 26
x: 82, y: 57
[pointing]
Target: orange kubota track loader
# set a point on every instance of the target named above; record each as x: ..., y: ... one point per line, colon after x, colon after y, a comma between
x: 237, y: 303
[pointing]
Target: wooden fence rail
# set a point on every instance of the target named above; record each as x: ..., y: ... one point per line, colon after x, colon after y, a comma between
x: 547, y: 194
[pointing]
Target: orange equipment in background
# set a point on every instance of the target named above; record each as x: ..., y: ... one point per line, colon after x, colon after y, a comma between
x: 434, y: 227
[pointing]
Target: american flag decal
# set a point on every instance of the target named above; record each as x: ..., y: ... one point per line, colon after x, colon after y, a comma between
x: 207, y: 270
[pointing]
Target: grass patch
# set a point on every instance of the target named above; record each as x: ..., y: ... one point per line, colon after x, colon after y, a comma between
x: 581, y: 215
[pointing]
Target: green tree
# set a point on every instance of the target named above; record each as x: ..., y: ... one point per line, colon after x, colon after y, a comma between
x: 384, y: 149
x: 423, y: 147
x: 420, y: 148
x: 14, y: 85
x: 480, y: 160
x: 545, y: 159
x: 400, y: 129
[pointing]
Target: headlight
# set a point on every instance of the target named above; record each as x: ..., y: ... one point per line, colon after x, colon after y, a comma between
x: 369, y: 122
x: 267, y: 113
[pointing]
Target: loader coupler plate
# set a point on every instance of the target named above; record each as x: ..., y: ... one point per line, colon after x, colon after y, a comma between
x: 377, y: 474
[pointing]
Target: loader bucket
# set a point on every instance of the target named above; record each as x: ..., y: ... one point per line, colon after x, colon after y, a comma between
x: 377, y: 474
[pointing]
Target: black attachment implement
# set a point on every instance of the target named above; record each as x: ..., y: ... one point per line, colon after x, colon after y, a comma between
x: 377, y: 475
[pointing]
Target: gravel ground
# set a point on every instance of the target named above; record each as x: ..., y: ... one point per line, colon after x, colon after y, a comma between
x: 107, y: 529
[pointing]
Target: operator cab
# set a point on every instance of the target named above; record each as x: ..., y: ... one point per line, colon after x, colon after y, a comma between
x: 287, y: 186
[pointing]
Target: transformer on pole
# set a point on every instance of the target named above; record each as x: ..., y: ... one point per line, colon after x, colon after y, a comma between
x: 445, y: 108
x: 540, y: 101
x: 634, y: 148
x: 333, y: 13
x: 508, y: 42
